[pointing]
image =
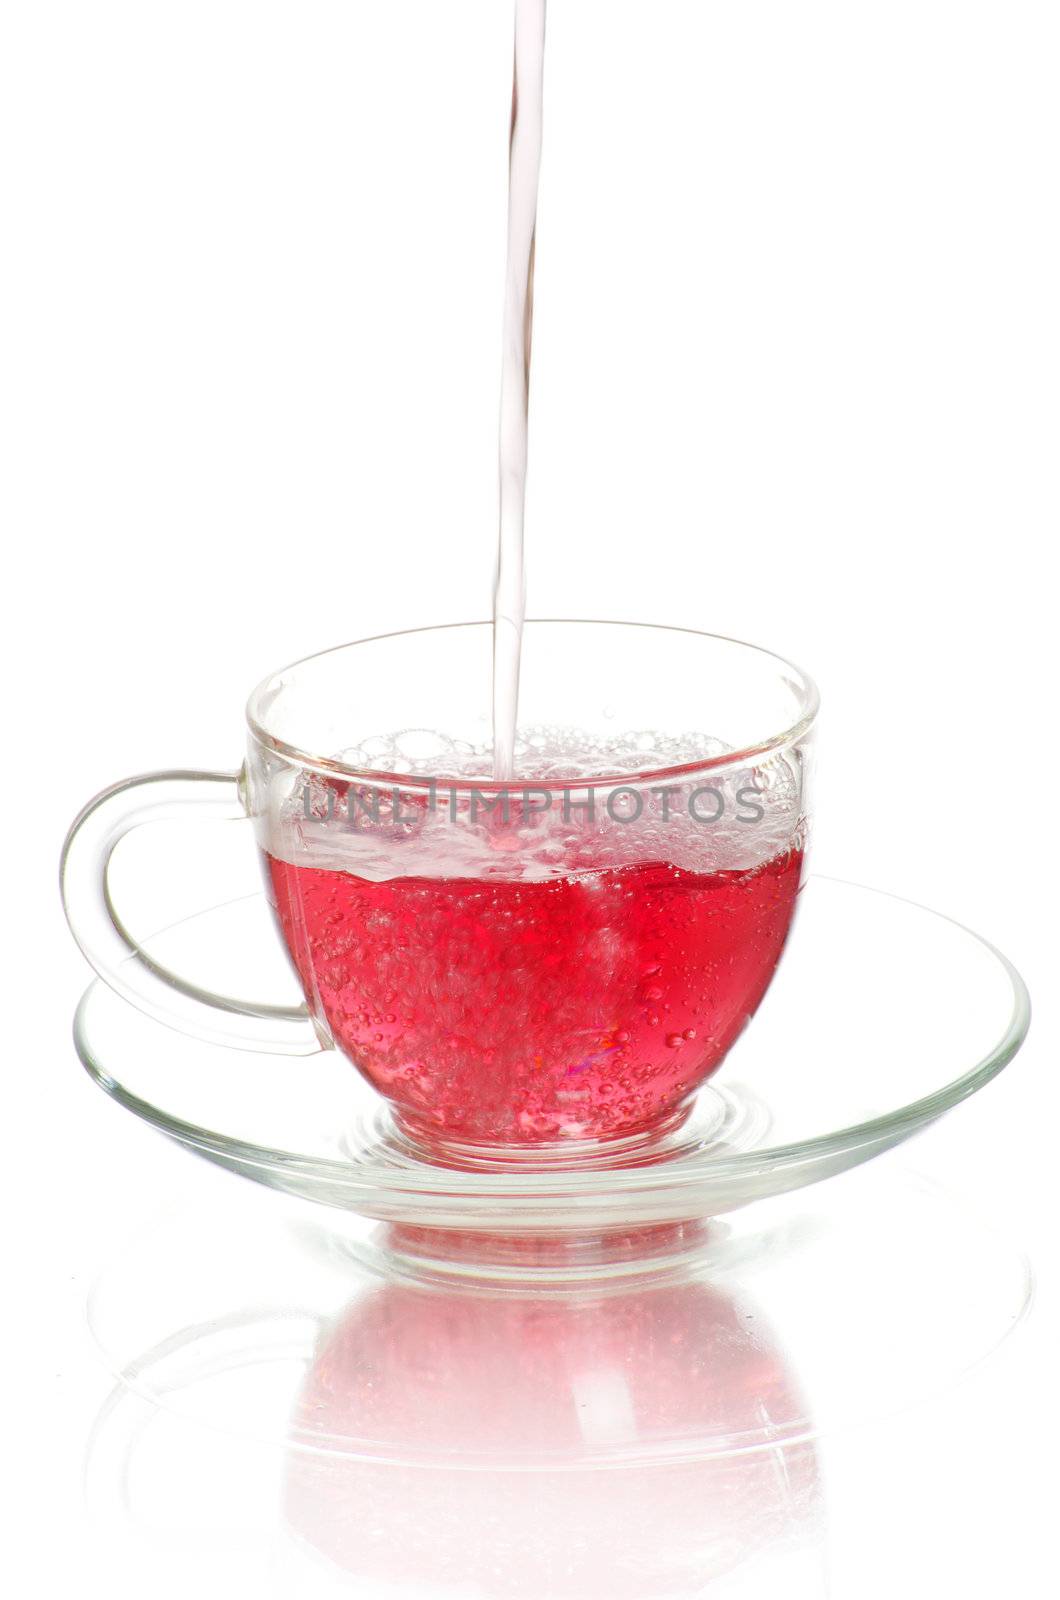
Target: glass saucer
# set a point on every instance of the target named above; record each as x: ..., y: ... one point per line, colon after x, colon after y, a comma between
x: 882, y: 1016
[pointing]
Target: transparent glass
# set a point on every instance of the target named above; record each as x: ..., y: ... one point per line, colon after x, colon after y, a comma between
x: 552, y: 964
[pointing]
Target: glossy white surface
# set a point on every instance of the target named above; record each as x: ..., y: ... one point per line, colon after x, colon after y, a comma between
x: 197, y: 489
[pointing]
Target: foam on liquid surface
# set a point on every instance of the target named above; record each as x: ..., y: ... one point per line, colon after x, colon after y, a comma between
x: 420, y: 824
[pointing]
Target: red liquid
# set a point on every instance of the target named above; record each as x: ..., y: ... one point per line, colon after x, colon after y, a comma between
x: 504, y: 1012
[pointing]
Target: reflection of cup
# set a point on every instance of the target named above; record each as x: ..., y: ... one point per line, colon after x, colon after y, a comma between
x: 592, y: 1444
x: 554, y: 961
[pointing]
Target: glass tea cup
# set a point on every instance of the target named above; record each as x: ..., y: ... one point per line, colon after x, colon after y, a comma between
x: 550, y: 964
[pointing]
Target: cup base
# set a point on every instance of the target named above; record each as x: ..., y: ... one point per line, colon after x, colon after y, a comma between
x: 422, y: 1142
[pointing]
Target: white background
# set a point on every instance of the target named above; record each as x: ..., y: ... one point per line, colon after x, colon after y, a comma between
x: 251, y: 290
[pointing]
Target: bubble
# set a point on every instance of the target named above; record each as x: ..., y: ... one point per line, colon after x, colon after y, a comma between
x: 419, y: 745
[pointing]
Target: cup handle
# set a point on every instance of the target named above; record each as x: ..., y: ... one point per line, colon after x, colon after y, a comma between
x: 115, y: 954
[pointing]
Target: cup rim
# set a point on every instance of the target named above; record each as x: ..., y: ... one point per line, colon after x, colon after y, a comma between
x: 806, y: 689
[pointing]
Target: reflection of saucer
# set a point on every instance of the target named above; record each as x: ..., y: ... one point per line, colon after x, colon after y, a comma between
x: 381, y: 1423
x: 232, y: 1312
x: 882, y: 1016
x: 503, y: 1412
